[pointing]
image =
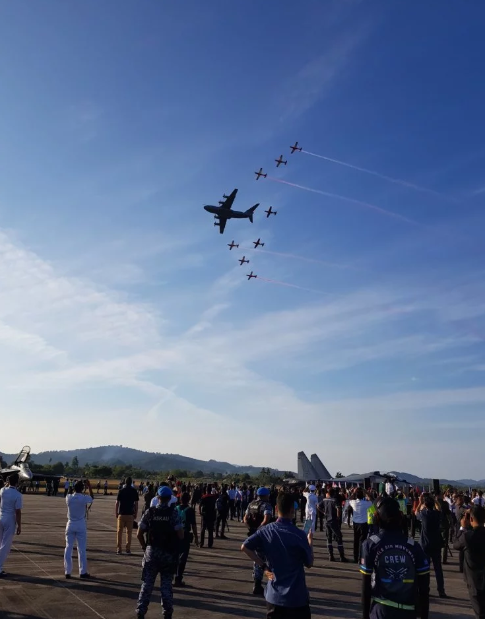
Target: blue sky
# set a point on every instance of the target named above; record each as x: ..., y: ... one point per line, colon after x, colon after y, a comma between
x: 124, y: 319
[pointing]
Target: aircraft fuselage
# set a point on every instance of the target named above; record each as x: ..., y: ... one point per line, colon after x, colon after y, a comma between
x: 226, y: 213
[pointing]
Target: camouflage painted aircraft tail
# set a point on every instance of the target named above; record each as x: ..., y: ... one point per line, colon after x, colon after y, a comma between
x: 322, y: 471
x: 305, y: 468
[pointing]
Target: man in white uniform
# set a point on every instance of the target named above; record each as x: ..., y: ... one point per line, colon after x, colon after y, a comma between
x: 10, y: 517
x: 76, y: 530
x: 311, y: 506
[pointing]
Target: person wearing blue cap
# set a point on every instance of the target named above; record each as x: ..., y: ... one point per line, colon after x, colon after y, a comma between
x: 258, y: 514
x: 163, y: 529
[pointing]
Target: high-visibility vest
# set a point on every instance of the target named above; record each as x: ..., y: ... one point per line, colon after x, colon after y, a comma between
x: 370, y: 514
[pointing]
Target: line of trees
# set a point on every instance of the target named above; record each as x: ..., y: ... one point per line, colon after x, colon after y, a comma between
x: 102, y: 471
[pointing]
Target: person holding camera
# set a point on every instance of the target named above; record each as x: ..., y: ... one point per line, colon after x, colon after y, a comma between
x: 470, y: 540
x: 431, y: 537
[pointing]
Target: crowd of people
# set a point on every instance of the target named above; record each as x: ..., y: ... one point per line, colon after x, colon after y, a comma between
x: 395, y: 567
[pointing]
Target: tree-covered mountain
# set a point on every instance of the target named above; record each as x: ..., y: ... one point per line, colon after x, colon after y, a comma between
x: 116, y: 455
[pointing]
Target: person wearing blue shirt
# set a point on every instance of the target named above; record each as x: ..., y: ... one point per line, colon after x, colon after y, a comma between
x: 287, y: 551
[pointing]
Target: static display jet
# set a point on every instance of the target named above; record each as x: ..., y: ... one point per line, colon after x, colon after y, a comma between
x: 21, y: 466
x: 223, y: 212
x: 280, y: 161
x: 232, y: 245
x: 243, y: 260
x: 250, y: 275
x: 270, y: 212
x: 295, y: 147
x: 258, y: 243
x: 260, y: 173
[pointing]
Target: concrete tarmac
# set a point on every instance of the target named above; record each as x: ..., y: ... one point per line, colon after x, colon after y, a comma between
x: 218, y: 579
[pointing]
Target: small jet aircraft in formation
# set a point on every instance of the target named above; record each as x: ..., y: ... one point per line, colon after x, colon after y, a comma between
x: 258, y: 243
x: 232, y: 245
x: 223, y: 212
x: 243, y: 260
x: 251, y: 275
x: 295, y: 147
x: 260, y: 173
x: 270, y: 212
x: 280, y: 161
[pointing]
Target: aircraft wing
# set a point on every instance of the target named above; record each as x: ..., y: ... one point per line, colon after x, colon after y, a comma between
x: 228, y: 202
x: 222, y: 224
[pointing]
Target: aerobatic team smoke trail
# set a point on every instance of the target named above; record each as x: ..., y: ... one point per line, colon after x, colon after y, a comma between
x: 367, y: 205
x: 274, y: 281
x: 296, y: 257
x: 398, y: 181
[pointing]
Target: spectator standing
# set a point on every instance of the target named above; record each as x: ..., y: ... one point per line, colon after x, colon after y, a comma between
x: 431, y: 538
x: 287, y: 551
x: 126, y: 513
x: 395, y: 570
x: 164, y: 531
x: 470, y: 540
x: 187, y: 517
x: 76, y: 529
x: 10, y: 517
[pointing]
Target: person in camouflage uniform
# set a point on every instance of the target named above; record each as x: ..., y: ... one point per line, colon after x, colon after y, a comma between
x: 163, y: 529
x: 258, y: 514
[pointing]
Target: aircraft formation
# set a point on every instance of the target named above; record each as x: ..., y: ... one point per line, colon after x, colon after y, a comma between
x: 223, y: 212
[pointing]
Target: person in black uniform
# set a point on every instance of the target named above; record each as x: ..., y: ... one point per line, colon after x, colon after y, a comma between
x: 431, y: 539
x: 332, y: 512
x: 395, y: 570
x: 446, y: 522
x: 207, y: 510
x: 460, y: 511
x: 470, y: 539
x: 302, y: 506
x: 320, y: 514
x: 223, y: 506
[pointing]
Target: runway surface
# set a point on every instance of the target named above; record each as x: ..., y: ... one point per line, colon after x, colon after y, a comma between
x: 218, y: 579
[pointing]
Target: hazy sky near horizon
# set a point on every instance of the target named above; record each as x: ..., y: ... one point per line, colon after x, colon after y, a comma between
x: 125, y: 319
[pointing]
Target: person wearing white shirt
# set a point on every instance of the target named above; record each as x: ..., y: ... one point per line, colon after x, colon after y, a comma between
x: 76, y: 529
x: 359, y: 506
x: 311, y: 506
x: 10, y: 517
x: 479, y: 500
x: 154, y: 502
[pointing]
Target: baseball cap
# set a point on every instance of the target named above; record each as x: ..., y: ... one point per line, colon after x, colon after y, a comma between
x: 262, y: 491
x: 164, y: 492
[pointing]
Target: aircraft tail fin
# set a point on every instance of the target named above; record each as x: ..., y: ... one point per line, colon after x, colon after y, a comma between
x: 250, y: 212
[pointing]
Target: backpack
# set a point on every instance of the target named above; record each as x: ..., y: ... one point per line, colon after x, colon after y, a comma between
x: 220, y: 504
x: 161, y: 533
x: 256, y: 515
x: 182, y: 512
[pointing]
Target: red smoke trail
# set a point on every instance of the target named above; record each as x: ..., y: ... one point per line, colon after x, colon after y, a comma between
x: 296, y: 257
x: 367, y: 205
x: 274, y: 281
x: 398, y: 181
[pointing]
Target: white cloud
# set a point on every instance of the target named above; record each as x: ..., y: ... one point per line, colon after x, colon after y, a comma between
x: 315, y: 79
x: 77, y: 341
